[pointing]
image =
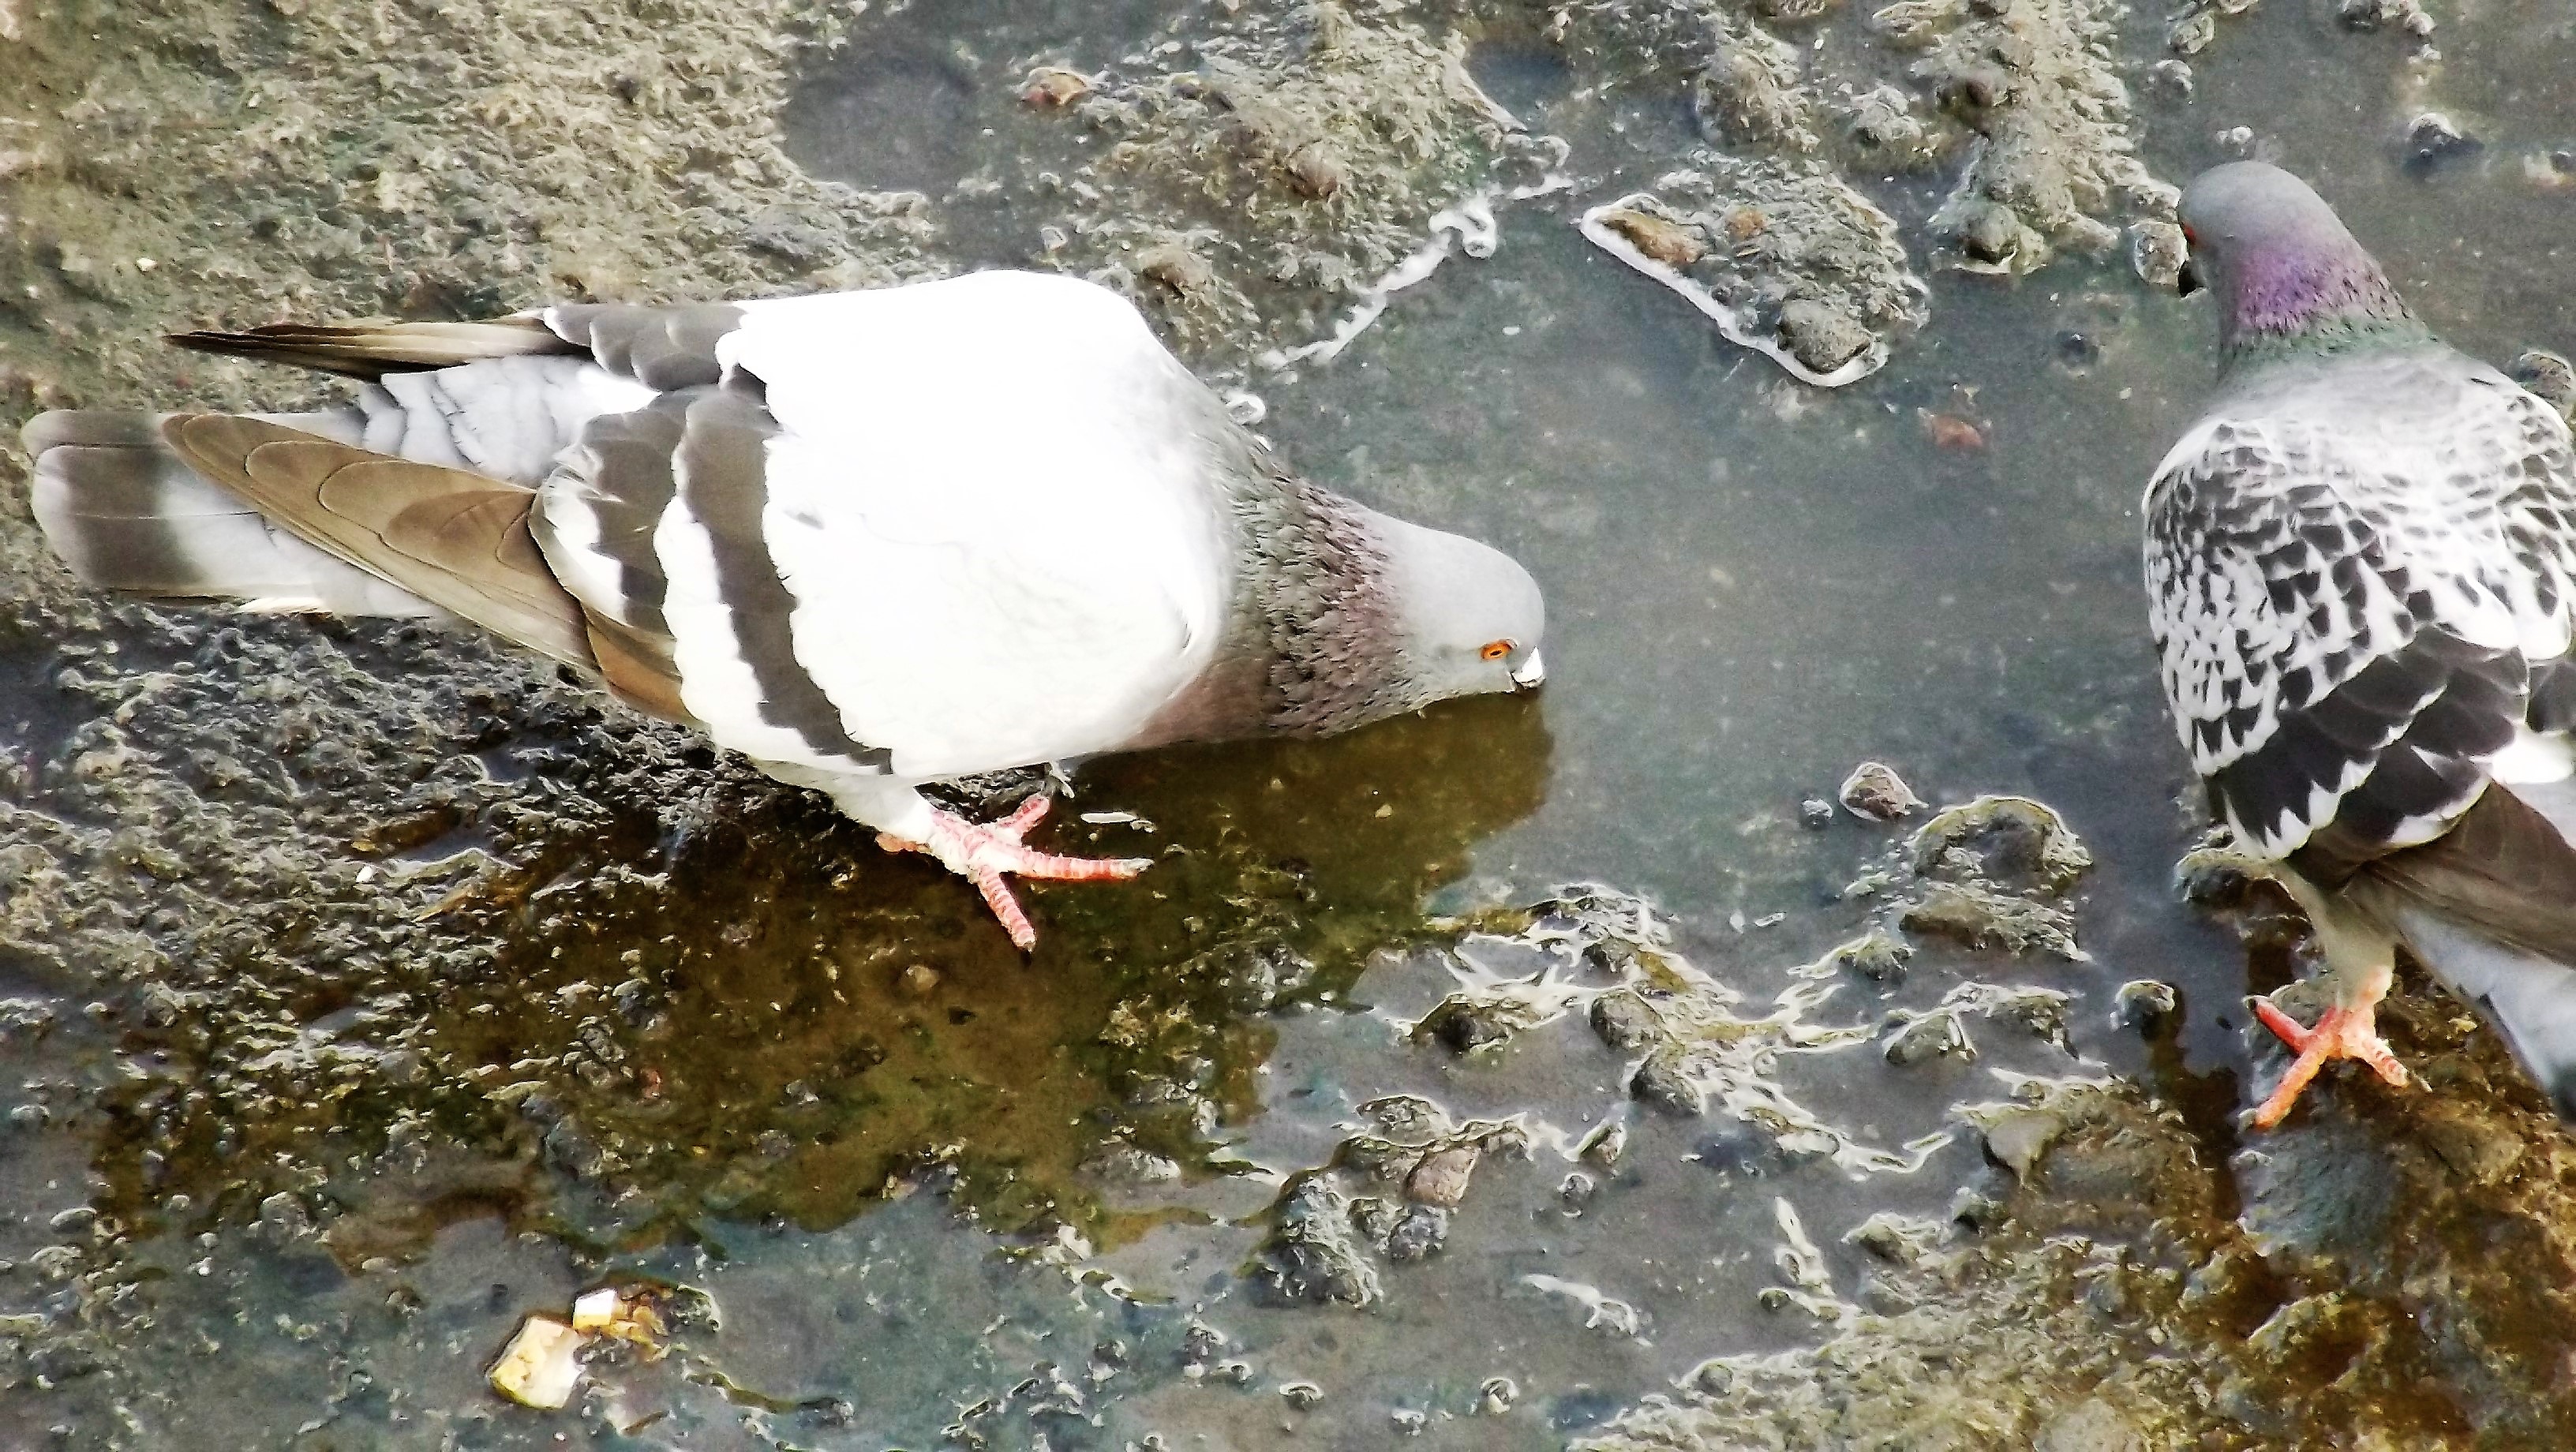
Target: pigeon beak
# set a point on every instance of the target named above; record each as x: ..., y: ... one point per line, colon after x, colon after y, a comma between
x: 1530, y: 676
x: 2187, y: 281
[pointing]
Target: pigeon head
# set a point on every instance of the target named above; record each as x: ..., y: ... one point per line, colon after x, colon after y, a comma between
x: 1350, y: 616
x: 1467, y: 617
x: 2281, y: 264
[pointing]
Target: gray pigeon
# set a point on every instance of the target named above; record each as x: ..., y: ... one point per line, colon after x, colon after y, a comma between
x: 2358, y: 568
x: 867, y: 539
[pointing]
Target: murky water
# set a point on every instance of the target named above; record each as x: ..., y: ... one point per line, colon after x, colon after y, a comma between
x: 938, y: 1195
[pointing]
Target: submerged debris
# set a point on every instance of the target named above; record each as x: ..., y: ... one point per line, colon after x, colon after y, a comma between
x: 1786, y: 258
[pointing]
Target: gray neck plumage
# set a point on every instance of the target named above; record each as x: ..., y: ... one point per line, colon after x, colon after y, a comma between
x: 1312, y: 645
x: 1318, y: 611
x: 2312, y: 295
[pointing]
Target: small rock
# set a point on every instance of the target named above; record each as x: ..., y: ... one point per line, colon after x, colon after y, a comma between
x: 1815, y: 813
x: 1054, y: 86
x: 1408, y: 1422
x: 1464, y: 1025
x: 1605, y: 1144
x: 1984, y: 919
x: 1441, y: 1178
x: 2146, y: 1002
x: 1176, y: 268
x: 1660, y: 1082
x: 1876, y: 793
x: 1314, y: 171
x: 1302, y: 1395
x: 1878, y: 957
x: 1121, y: 1163
x: 1821, y: 335
x: 1624, y: 1021
x: 2019, y: 1138
x: 1950, y: 432
x: 2214, y: 877
x: 1576, y: 1192
x: 1422, y: 1230
x: 2170, y: 80
x: 1934, y: 1035
x: 920, y: 980
x: 2434, y: 140
x: 1890, y: 1238
x: 1496, y: 1396
x: 1988, y: 234
x: 2406, y: 15
x: 1671, y: 243
x: 282, y: 1219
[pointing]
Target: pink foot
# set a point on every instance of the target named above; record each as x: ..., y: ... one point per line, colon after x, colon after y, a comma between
x: 982, y: 855
x: 2341, y: 1033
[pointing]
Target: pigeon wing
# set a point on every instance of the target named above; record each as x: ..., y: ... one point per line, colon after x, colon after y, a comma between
x: 921, y: 531
x: 2349, y: 605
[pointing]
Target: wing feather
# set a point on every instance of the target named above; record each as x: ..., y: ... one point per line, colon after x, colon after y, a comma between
x: 456, y: 539
x: 2348, y: 608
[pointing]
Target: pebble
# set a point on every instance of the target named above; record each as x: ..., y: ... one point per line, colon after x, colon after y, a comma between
x: 1874, y: 792
x: 1054, y: 86
x: 1670, y: 243
x: 1441, y: 1178
x: 2434, y: 140
x: 2145, y: 1002
x: 1934, y: 1035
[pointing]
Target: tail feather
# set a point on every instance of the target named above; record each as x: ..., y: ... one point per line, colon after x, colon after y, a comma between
x: 2529, y: 1000
x: 372, y: 350
x: 126, y: 513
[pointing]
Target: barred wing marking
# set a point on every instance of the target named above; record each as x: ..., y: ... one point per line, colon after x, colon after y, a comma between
x: 2347, y: 617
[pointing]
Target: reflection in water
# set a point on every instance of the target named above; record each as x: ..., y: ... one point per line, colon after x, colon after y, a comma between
x: 769, y: 1016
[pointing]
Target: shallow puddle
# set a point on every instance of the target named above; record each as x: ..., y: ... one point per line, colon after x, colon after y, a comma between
x: 472, y: 998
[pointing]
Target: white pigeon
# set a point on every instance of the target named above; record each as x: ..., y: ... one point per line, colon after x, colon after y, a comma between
x: 2359, y: 568
x: 867, y: 539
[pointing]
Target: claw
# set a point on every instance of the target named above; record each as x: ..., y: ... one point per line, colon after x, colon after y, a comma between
x: 985, y: 855
x: 2341, y: 1033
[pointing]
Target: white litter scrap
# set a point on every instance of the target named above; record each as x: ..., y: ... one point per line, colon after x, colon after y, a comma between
x: 1810, y: 1288
x: 541, y: 1365
x: 1600, y: 1310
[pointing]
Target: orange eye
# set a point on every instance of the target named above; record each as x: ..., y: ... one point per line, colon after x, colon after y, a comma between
x: 1495, y: 649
